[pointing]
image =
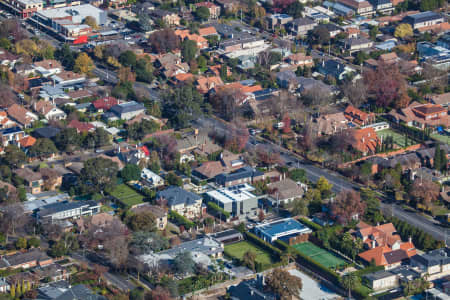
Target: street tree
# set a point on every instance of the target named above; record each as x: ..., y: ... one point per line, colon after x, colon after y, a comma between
x: 83, y: 64
x: 347, y: 206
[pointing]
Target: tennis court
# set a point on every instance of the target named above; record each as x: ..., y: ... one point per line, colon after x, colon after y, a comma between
x: 320, y: 255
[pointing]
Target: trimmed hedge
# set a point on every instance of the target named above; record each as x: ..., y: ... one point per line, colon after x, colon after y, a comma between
x: 368, y: 270
x: 217, y: 209
x: 310, y: 224
x: 180, y: 220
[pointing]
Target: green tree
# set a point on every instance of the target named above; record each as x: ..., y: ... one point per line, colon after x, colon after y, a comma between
x: 173, y: 179
x: 188, y: 50
x: 144, y: 242
x: 249, y: 260
x: 144, y: 70
x: 141, y: 221
x: 128, y: 59
x: 68, y: 140
x: 99, y: 174
x: 437, y: 163
x: 34, y: 242
x: 21, y: 243
x: 300, y: 207
x: 202, y: 13
x: 350, y: 282
x: 43, y: 147
x: 298, y: 175
x: 130, y: 172
x: 324, y: 187
x: 12, y: 291
x: 184, y: 264
x: 14, y: 156
x: 295, y: 9
x: 66, y: 56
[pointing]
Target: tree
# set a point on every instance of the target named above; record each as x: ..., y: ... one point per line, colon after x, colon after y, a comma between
x: 184, y: 264
x: 324, y: 187
x: 295, y: 9
x: 347, y: 205
x: 130, y: 172
x: 424, y: 190
x: 202, y: 13
x: 319, y: 36
x: 286, y: 123
x: 163, y: 41
x: 21, y: 243
x: 143, y: 242
x: 66, y: 57
x: 144, y: 70
x: 99, y: 174
x: 298, y: 175
x: 403, y: 30
x: 300, y: 207
x: 128, y: 59
x: 437, y: 164
x: 188, y: 50
x: 117, y: 247
x: 126, y: 75
x: 42, y: 147
x: 249, y: 260
x: 14, y: 156
x: 356, y: 92
x: 141, y: 221
x: 90, y: 21
x: 27, y: 47
x: 173, y: 179
x: 145, y: 22
x: 283, y: 284
x: 34, y: 242
x: 12, y: 291
x: 350, y: 282
x: 160, y: 293
x: 68, y: 140
x: 83, y: 64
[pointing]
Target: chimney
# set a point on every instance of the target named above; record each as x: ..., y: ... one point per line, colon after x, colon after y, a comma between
x: 410, y: 239
x: 373, y: 244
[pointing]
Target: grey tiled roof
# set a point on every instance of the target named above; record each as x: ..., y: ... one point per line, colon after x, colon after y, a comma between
x: 176, y: 195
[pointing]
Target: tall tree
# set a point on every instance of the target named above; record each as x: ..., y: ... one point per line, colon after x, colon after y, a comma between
x: 83, y: 64
x: 183, y: 263
x: 350, y: 282
x: 283, y: 284
x: 99, y: 174
x: 188, y: 50
x: 347, y: 205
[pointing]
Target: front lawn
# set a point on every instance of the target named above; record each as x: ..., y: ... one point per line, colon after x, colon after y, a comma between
x: 237, y: 251
x: 126, y: 195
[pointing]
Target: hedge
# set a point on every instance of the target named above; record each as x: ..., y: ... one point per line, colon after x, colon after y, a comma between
x: 180, y: 220
x: 310, y: 224
x: 275, y: 252
x: 218, y: 210
x: 368, y: 270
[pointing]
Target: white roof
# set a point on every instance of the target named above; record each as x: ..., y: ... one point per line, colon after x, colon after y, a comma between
x: 28, y: 2
x: 78, y: 12
x: 234, y: 193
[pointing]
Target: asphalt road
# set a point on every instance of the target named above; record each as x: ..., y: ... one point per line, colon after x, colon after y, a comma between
x: 339, y: 182
x: 106, y: 75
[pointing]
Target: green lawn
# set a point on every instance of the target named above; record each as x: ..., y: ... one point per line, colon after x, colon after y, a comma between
x: 237, y: 251
x: 399, y: 139
x: 126, y: 195
x: 322, y: 256
x: 442, y: 138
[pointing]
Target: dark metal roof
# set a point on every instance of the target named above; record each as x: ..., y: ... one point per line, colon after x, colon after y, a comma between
x: 422, y: 17
x: 176, y: 195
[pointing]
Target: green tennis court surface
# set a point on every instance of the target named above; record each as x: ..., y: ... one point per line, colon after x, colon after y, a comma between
x: 320, y: 255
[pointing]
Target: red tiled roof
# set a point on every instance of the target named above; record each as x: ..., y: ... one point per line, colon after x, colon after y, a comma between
x: 105, y: 103
x: 81, y: 126
x: 207, y: 31
x: 27, y: 141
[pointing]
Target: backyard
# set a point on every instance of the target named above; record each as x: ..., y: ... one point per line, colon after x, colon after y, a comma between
x: 398, y: 138
x: 126, y: 195
x: 237, y: 251
x: 320, y: 255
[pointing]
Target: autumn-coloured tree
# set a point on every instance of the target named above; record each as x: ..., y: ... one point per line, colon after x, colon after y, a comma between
x: 388, y: 85
x: 160, y: 293
x: 83, y: 64
x: 424, y: 191
x: 282, y: 283
x: 163, y: 41
x: 403, y: 30
x: 125, y: 74
x: 237, y: 138
x: 267, y: 156
x: 356, y: 92
x: 347, y: 205
x: 286, y: 123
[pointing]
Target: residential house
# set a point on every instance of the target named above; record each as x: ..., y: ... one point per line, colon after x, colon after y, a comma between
x: 32, y: 180
x: 435, y: 263
x: 422, y: 115
x: 49, y: 110
x: 151, y: 179
x: 285, y: 230
x: 251, y: 289
x: 383, y: 6
x: 228, y: 236
x: 355, y: 44
x: 5, y: 122
x: 48, y: 132
x: 26, y: 142
x: 442, y: 99
x: 423, y: 19
x: 278, y: 20
x: 388, y: 279
x: 52, y: 178
x: 306, y: 85
x: 300, y: 59
x: 202, y: 250
x: 238, y: 200
x: 361, y: 7
x: 200, y: 41
x: 332, y: 29
x: 385, y: 245
x: 195, y: 141
x: 59, y: 211
x: 243, y: 175
x: 21, y: 116
x: 68, y: 79
x: 284, y: 191
x: 339, y: 9
x: 334, y: 68
x: 205, y: 84
x: 208, y: 31
x: 81, y: 127
x: 64, y: 291
x: 104, y: 104
x: 227, y: 163
x: 127, y: 110
x: 100, y: 220
x: 287, y: 80
x: 329, y: 124
x: 48, y: 67
x: 241, y: 41
x: 301, y: 26
x: 364, y: 140
x: 158, y: 212
x: 181, y: 201
x: 169, y: 18
x: 214, y: 10
x: 25, y: 260
x: 11, y: 135
x: 358, y: 117
x: 53, y: 273
x: 227, y: 5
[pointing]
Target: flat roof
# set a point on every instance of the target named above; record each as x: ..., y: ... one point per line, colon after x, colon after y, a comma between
x: 282, y: 227
x: 78, y: 12
x: 236, y: 193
